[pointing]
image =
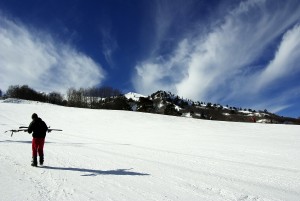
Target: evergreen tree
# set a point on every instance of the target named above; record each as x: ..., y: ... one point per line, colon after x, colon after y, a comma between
x: 145, y: 105
x: 121, y: 103
x: 170, y: 110
x: 25, y: 92
x: 55, y: 98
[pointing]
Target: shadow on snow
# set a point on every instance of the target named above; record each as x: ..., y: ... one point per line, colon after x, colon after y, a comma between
x: 125, y: 172
x: 19, y: 141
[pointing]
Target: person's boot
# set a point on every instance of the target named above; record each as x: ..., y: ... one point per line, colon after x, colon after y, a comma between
x: 41, y: 159
x: 34, y: 161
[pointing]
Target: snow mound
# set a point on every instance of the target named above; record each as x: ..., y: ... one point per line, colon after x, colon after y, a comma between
x: 20, y: 101
x: 264, y: 121
x: 245, y: 112
x: 188, y: 115
x: 134, y: 96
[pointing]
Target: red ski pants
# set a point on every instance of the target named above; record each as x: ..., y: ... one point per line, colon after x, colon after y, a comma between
x: 38, y: 146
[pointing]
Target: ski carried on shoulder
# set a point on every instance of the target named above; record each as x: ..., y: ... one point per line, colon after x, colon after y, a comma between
x: 25, y: 129
x: 16, y: 130
x: 49, y: 129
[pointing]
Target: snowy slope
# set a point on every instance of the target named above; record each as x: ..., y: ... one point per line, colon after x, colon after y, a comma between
x: 119, y: 155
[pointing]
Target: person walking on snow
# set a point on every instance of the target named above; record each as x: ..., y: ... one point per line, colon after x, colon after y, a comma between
x: 38, y: 128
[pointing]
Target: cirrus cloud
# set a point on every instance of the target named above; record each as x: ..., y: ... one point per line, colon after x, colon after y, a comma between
x: 34, y: 58
x: 242, y: 57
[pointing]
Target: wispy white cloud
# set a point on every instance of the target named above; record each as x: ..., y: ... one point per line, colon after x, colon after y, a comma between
x: 286, y: 60
x: 281, y: 101
x: 28, y: 56
x: 161, y: 73
x: 168, y: 16
x: 109, y: 45
x: 234, y: 60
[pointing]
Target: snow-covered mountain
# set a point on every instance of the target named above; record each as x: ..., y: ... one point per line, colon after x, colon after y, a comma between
x: 162, y: 102
x: 122, y: 155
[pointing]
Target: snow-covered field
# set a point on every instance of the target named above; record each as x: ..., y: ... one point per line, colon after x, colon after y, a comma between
x: 118, y: 155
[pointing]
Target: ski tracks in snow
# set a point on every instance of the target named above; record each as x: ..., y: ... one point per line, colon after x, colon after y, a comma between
x: 39, y: 189
x: 120, y: 156
x: 169, y: 172
x: 44, y: 185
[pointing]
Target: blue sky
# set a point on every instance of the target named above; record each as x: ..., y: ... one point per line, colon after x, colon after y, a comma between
x: 241, y: 53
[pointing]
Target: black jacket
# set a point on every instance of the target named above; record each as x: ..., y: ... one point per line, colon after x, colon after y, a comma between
x: 38, y: 127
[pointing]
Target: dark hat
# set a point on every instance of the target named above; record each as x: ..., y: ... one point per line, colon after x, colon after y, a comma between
x: 34, y: 116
